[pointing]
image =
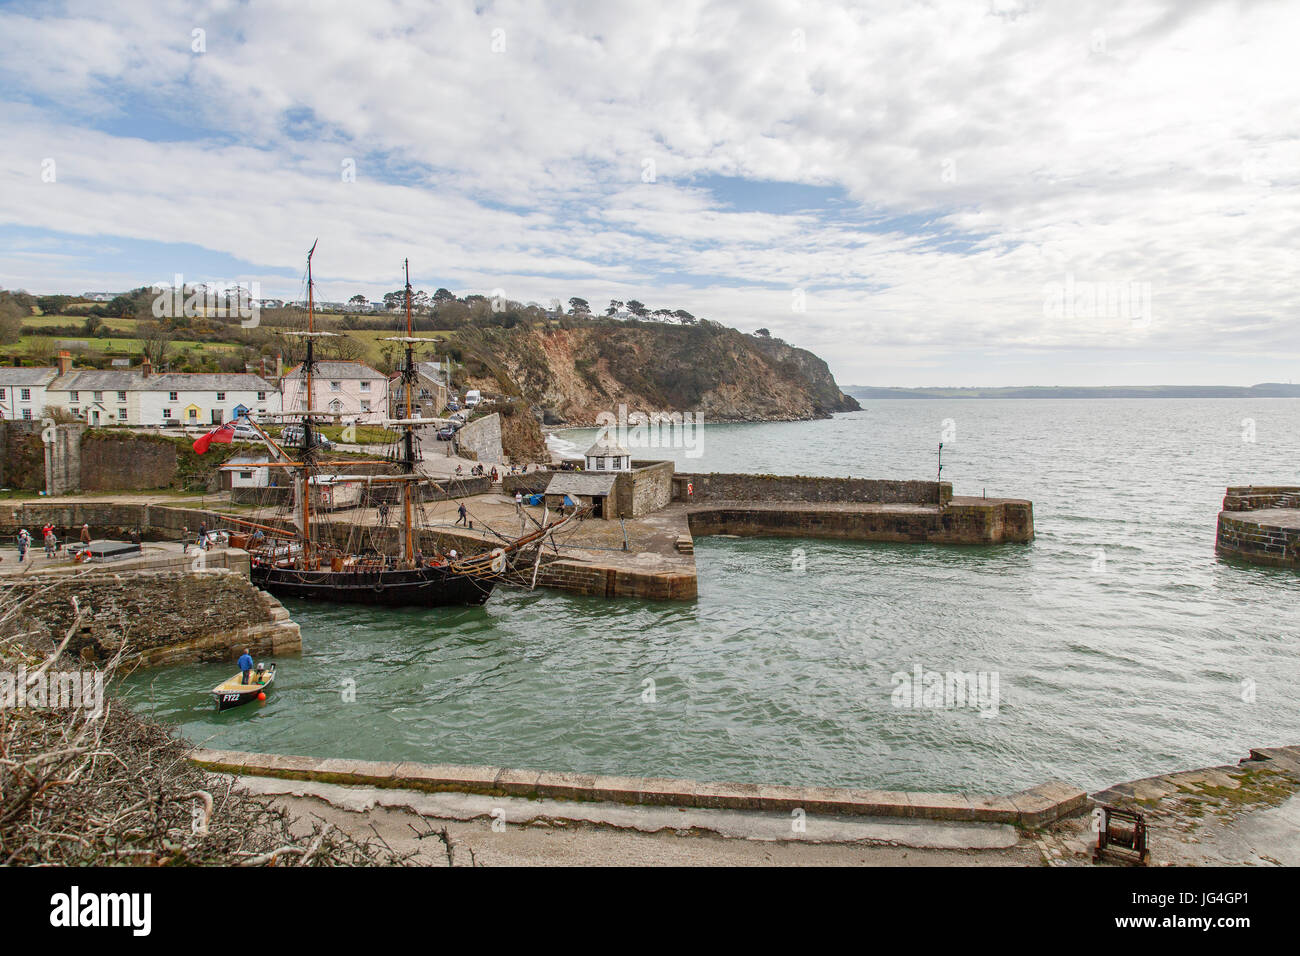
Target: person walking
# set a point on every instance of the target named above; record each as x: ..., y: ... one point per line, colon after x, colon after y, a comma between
x: 85, y: 535
x: 24, y: 541
x: 519, y: 502
x: 463, y: 513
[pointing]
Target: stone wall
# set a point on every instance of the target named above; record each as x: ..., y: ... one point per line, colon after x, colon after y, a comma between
x: 739, y: 487
x: 126, y: 463
x: 648, y: 487
x: 481, y: 439
x: 160, y: 617
x: 992, y: 522
x: 531, y: 483
x: 63, y: 460
x: 22, y: 456
x: 1258, y: 497
x: 617, y: 582
x: 107, y: 519
x: 1260, y: 524
x: 1257, y: 540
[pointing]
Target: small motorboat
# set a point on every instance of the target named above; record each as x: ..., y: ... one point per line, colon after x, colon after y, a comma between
x: 234, y: 692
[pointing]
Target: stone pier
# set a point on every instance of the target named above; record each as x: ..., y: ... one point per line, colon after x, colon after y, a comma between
x: 1260, y: 524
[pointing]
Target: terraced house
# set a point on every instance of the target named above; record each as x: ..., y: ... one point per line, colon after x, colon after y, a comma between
x: 351, y: 389
x: 22, y: 392
x: 137, y: 396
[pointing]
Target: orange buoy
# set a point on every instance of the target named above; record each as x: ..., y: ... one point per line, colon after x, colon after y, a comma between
x: 261, y: 695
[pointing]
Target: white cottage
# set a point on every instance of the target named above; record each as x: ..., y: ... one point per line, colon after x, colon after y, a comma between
x: 139, y: 397
x: 23, y: 392
x: 607, y: 455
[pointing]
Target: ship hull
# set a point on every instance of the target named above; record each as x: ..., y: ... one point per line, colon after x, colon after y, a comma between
x: 418, y: 587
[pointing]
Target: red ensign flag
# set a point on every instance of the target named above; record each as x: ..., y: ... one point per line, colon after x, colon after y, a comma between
x: 223, y: 434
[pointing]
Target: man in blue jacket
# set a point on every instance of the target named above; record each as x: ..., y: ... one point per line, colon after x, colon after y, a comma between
x: 245, y: 665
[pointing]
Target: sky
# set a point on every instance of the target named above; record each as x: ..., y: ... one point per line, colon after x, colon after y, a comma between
x: 975, y: 192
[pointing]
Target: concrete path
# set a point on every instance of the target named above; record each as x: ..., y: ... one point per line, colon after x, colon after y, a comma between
x: 513, y: 831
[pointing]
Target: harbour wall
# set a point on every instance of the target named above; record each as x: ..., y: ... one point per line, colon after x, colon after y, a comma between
x: 480, y: 439
x: 964, y: 521
x: 1260, y: 524
x: 1028, y: 809
x: 718, y: 486
x: 154, y: 522
x: 159, y: 617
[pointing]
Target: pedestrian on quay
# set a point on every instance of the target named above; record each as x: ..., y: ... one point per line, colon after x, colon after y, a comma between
x: 85, y: 534
x: 463, y: 513
x: 24, y: 542
x: 519, y: 503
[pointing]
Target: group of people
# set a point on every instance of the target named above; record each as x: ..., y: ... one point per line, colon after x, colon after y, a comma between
x: 479, y: 470
x: 50, y: 538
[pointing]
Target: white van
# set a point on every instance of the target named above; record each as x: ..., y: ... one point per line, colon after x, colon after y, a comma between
x: 472, y: 398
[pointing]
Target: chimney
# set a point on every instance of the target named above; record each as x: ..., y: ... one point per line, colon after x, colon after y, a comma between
x: 146, y: 367
x: 65, y: 363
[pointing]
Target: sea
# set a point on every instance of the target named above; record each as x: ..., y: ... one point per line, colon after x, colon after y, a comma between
x: 1114, y: 646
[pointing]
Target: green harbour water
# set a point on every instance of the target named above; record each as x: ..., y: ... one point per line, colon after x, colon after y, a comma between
x: 1120, y: 644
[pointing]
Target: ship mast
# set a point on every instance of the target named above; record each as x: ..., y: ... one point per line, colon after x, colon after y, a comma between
x: 408, y: 438
x: 307, y: 419
x: 409, y: 454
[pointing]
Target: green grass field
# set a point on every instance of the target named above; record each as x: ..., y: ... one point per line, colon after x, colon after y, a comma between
x: 371, y: 340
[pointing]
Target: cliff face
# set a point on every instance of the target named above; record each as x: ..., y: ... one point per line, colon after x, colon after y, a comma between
x: 569, y: 375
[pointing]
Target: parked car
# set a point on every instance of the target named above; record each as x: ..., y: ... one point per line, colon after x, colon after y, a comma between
x: 292, y: 435
x: 246, y: 432
x: 453, y: 406
x: 446, y: 433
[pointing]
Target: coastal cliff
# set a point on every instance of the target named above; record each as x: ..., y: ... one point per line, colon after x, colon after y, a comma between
x: 568, y: 373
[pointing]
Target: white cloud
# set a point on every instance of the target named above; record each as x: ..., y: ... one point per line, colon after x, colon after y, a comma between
x: 1151, y: 142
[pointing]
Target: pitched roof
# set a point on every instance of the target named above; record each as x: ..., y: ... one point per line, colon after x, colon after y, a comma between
x: 27, y: 376
x: 338, y: 370
x: 605, y: 448
x: 581, y: 483
x: 120, y: 380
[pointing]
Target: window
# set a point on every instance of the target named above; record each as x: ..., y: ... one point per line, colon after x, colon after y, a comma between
x: 173, y: 397
x: 221, y: 396
x: 336, y: 386
x: 25, y: 395
x: 27, y: 414
x: 71, y: 395
x: 75, y: 410
x: 167, y: 414
x: 600, y: 464
x: 99, y: 396
x: 365, y: 404
x: 246, y: 475
x: 261, y: 397
x: 365, y: 386
x: 2, y: 395
x: 121, y: 414
x: 121, y: 396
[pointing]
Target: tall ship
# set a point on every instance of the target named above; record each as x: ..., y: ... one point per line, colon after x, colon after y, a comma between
x: 354, y: 530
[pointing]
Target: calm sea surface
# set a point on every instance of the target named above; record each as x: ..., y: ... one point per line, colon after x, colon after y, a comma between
x: 1121, y: 645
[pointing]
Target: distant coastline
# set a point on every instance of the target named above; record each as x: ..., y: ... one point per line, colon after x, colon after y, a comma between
x: 1264, y: 390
